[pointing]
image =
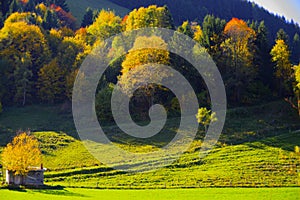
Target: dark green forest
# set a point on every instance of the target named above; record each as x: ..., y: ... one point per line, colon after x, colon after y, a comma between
x: 193, y: 10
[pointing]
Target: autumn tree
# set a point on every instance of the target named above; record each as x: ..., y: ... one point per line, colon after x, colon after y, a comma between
x: 19, y: 38
x: 65, y: 18
x: 84, y: 48
x: 106, y: 25
x: 68, y: 51
x: 141, y: 63
x: 205, y: 117
x: 151, y: 16
x: 239, y: 51
x: 155, y: 53
x: 41, y: 9
x: 23, y: 152
x: 283, y: 68
x: 186, y: 29
x: 54, y: 38
x: 297, y: 87
x: 51, y: 82
x: 70, y: 79
x: 28, y: 17
x: 198, y: 33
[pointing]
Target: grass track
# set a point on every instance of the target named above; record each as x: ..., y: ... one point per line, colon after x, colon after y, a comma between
x: 190, y: 194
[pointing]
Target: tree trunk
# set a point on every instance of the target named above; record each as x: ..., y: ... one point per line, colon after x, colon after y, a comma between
x: 24, y: 97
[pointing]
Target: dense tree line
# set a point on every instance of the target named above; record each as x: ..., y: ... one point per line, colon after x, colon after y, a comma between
x: 41, y: 53
x: 226, y: 9
x: 55, y: 13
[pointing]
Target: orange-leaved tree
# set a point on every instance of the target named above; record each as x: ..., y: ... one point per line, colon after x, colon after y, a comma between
x: 23, y: 152
x: 238, y: 49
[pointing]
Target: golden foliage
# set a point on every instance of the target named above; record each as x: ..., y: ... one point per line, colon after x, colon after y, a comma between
x: 23, y: 152
x: 19, y: 38
x: 205, y: 117
x: 297, y: 76
x: 106, y: 25
x: 156, y: 52
x: 151, y: 16
x: 239, y: 37
x: 280, y: 56
x: 239, y: 29
x: 297, y: 87
x: 51, y: 82
x: 23, y: 17
x: 198, y: 33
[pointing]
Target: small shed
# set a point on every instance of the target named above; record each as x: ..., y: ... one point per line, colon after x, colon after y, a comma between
x: 35, y: 177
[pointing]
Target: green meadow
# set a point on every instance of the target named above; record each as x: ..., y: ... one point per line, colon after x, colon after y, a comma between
x: 252, y: 152
x: 191, y: 194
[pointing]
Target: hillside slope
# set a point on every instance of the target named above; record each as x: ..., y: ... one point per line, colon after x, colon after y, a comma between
x: 196, y: 10
x: 78, y: 7
x: 264, y: 163
x: 255, y: 150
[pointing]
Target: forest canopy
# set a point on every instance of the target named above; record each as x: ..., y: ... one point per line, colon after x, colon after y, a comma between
x: 42, y: 48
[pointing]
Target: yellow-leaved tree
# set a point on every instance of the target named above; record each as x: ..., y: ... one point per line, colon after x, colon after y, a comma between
x: 283, y: 68
x: 205, y: 117
x: 141, y: 69
x: 23, y: 152
x: 297, y: 87
x: 105, y: 25
x: 156, y: 52
x: 51, y: 82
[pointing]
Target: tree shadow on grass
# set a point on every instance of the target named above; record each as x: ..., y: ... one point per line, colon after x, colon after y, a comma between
x: 286, y: 141
x: 57, y: 192
x: 48, y: 190
x: 15, y: 189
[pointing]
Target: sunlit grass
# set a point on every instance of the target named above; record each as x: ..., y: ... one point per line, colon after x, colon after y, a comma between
x: 190, y: 194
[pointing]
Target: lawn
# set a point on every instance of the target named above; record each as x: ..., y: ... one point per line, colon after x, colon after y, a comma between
x: 190, y: 194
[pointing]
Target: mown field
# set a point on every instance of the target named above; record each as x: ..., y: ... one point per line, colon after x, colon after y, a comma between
x: 190, y: 194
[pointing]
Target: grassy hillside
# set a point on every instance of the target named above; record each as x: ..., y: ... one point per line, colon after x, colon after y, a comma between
x: 34, y: 118
x: 255, y: 150
x: 264, y: 163
x: 78, y: 7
